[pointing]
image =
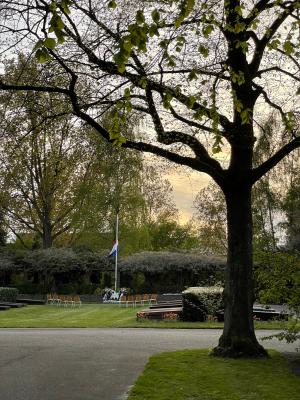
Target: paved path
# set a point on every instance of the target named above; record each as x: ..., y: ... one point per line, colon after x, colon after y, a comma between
x: 88, y: 364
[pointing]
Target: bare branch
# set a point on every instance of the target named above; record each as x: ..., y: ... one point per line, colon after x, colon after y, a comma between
x: 265, y: 167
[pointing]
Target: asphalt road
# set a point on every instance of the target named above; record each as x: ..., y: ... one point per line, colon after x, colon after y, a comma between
x: 89, y: 364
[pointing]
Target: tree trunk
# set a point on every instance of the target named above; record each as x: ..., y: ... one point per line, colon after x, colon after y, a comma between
x: 47, y: 232
x: 238, y: 338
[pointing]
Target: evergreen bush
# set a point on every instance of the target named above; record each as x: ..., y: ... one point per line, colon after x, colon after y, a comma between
x: 8, y: 294
x: 200, y: 302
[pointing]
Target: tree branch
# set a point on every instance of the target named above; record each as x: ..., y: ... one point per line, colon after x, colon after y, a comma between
x: 262, y: 43
x: 276, y: 68
x: 265, y: 167
x: 190, y: 122
x: 46, y: 89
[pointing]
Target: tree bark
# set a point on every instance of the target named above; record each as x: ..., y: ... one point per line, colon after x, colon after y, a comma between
x: 238, y: 338
x: 47, y: 232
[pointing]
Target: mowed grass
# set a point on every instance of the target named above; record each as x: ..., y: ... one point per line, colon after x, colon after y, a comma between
x: 194, y: 375
x: 97, y: 316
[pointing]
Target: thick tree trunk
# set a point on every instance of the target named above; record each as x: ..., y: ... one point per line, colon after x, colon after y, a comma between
x: 238, y: 338
x: 47, y: 233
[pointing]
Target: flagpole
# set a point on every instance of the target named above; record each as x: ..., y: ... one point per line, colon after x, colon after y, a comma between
x: 116, y: 259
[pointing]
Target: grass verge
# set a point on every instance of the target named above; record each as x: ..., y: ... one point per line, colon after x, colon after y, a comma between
x: 194, y: 375
x: 98, y: 316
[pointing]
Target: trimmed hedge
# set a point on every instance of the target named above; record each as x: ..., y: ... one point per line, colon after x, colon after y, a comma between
x: 200, y: 302
x: 8, y: 294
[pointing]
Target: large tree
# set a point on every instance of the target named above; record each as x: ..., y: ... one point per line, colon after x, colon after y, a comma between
x: 202, y: 73
x: 45, y: 163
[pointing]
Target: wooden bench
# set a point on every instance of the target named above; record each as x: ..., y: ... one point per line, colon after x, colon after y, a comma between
x: 31, y: 302
x: 12, y: 305
x: 167, y: 304
x: 265, y: 314
x: 4, y: 308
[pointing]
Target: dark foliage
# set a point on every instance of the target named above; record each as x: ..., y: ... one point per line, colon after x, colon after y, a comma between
x: 199, y: 303
x: 8, y: 294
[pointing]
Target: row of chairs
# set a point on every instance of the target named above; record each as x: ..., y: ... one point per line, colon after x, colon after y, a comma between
x: 138, y: 299
x: 62, y: 300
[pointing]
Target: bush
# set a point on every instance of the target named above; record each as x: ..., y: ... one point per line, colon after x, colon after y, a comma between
x: 200, y: 302
x: 8, y: 294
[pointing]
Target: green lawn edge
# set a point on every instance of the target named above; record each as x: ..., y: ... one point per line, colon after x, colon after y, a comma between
x: 195, y: 375
x: 99, y: 316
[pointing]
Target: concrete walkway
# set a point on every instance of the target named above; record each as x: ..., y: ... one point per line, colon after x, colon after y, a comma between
x: 89, y: 364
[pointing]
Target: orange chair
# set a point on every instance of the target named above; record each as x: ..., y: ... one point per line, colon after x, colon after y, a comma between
x: 49, y: 299
x: 122, y: 301
x: 153, y: 299
x: 56, y: 299
x: 146, y: 299
x: 77, y: 301
x: 129, y: 300
x: 137, y: 300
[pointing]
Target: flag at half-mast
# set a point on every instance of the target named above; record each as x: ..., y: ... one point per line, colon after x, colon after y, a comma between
x: 114, y: 250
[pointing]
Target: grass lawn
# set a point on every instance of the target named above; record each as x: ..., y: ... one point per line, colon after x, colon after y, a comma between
x: 194, y: 375
x: 97, y: 316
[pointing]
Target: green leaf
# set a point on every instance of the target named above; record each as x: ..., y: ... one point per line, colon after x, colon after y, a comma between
x: 42, y: 55
x: 153, y: 30
x: 245, y: 116
x: 190, y: 102
x: 171, y: 61
x: 216, y: 149
x: 56, y: 23
x: 207, y: 30
x: 288, y: 47
x: 186, y: 7
x: 239, y: 27
x: 127, y: 92
x: 112, y: 4
x: 274, y: 44
x: 121, y: 68
x: 140, y: 18
x: 38, y: 45
x: 50, y: 43
x: 155, y: 16
x: 127, y: 45
x: 167, y: 100
x: 192, y: 75
x: 60, y: 36
x: 203, y: 50
x: 143, y: 82
x: 65, y: 6
x: 238, y: 10
x: 53, y: 6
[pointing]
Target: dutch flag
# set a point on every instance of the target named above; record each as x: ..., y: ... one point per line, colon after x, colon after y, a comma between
x: 114, y: 250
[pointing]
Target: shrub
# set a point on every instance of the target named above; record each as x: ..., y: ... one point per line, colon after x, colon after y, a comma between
x: 8, y: 294
x: 200, y: 302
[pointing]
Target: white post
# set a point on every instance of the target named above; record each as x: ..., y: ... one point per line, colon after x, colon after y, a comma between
x: 116, y: 261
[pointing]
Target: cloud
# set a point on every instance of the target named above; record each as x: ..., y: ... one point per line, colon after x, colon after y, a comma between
x: 186, y: 185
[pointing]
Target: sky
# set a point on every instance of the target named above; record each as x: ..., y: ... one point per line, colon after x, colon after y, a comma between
x: 186, y: 184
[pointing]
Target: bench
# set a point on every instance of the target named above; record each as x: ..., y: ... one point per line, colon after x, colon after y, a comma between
x: 31, y: 301
x: 167, y: 304
x: 265, y: 314
x: 4, y: 308
x: 12, y: 305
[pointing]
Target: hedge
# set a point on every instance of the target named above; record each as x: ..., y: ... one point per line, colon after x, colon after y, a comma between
x: 8, y: 294
x: 201, y: 302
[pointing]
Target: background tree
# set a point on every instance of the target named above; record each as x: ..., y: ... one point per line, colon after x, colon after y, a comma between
x: 210, y: 219
x: 193, y: 68
x: 123, y: 181
x: 44, y: 163
x: 291, y: 206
